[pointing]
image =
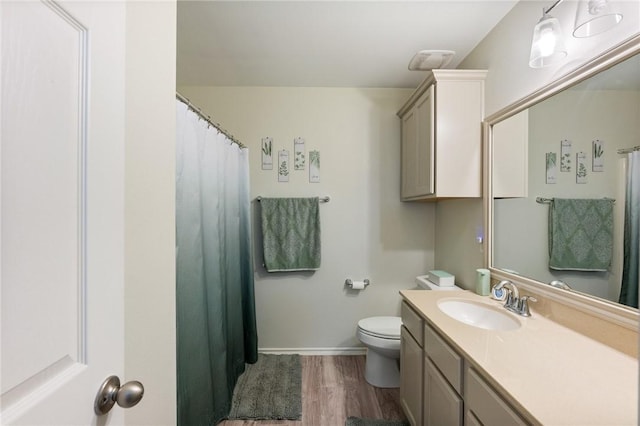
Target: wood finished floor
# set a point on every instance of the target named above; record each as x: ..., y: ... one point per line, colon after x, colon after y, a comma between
x: 334, y: 388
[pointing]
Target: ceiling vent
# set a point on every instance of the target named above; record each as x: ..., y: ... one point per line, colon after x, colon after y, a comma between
x: 426, y: 60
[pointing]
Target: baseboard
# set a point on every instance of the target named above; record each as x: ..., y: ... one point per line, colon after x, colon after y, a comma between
x: 359, y: 350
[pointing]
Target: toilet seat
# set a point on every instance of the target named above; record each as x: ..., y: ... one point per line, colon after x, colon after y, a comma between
x: 381, y: 327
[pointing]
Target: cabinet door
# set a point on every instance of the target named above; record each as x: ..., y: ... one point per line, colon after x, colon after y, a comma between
x: 510, y: 166
x: 411, y: 357
x: 471, y: 420
x: 417, y: 149
x: 486, y: 404
x: 425, y: 182
x: 443, y: 405
x: 409, y: 160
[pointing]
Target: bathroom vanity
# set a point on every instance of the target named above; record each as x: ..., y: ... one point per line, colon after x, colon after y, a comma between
x: 525, y: 370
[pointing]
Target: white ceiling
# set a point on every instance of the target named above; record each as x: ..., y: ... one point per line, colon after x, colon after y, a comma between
x: 324, y: 43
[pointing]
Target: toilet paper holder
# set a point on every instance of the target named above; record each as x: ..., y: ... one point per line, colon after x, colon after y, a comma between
x: 349, y: 282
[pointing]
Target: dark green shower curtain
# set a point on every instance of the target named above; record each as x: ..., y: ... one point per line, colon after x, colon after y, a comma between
x: 630, y: 271
x: 216, y: 325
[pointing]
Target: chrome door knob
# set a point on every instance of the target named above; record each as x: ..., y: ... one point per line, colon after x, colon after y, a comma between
x: 111, y: 392
x: 130, y: 394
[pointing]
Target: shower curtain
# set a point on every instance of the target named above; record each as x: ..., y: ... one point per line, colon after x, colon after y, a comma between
x: 216, y: 325
x: 630, y: 277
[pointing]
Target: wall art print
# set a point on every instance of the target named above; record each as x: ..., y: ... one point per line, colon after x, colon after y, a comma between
x: 314, y: 166
x: 598, y: 156
x: 283, y: 166
x: 565, y: 155
x: 552, y: 167
x: 581, y: 167
x: 267, y: 153
x: 299, y: 154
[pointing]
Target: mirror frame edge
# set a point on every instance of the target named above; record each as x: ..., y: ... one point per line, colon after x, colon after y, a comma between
x: 591, y: 305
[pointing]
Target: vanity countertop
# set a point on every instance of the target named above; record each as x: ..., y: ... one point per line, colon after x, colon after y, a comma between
x: 551, y: 374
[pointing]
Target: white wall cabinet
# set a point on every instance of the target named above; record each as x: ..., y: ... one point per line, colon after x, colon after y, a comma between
x: 510, y: 166
x: 441, y: 136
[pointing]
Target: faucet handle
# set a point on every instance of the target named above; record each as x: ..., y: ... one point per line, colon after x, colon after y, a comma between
x: 523, y: 305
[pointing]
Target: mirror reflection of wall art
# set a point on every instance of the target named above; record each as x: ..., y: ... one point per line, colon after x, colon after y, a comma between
x: 598, y: 155
x: 314, y: 166
x: 298, y: 152
x: 565, y: 156
x: 283, y: 166
x: 552, y: 167
x: 582, y: 114
x: 267, y: 153
x: 581, y: 167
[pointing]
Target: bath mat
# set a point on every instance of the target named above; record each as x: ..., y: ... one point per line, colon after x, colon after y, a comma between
x: 355, y: 421
x: 270, y: 389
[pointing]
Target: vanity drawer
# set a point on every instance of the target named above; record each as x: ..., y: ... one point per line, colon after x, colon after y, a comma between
x: 444, y: 357
x: 485, y: 404
x: 413, y: 322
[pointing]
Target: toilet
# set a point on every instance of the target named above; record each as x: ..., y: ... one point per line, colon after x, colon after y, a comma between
x: 381, y: 336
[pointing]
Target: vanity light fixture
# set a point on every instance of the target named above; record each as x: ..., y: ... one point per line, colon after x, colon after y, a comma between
x: 594, y: 17
x: 547, y: 46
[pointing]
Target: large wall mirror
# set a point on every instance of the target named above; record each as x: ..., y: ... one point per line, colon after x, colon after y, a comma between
x: 567, y: 141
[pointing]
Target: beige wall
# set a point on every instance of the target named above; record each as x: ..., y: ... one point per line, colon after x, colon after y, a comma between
x: 150, y: 343
x: 505, y: 54
x: 366, y: 231
x: 458, y: 227
x: 505, y: 50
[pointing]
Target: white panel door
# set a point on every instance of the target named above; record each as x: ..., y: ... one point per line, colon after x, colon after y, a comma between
x: 62, y: 209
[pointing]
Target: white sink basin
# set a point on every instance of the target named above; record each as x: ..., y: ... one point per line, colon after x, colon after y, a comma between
x: 479, y: 314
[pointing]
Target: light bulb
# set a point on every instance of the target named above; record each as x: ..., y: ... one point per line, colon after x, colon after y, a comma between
x: 547, y: 45
x: 547, y: 42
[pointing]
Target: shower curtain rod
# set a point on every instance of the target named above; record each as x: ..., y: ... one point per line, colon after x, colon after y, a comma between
x: 208, y: 119
x: 628, y: 150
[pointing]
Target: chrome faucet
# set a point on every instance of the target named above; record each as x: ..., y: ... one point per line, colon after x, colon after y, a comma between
x: 512, y: 293
x: 560, y: 284
x: 515, y: 303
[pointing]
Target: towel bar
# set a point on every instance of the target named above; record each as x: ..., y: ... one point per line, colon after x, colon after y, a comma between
x: 322, y: 199
x: 542, y: 200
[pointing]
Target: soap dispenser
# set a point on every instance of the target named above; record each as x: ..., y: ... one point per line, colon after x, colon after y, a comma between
x: 483, y: 277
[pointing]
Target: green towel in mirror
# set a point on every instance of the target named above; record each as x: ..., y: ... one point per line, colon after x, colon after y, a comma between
x: 291, y: 234
x: 580, y: 234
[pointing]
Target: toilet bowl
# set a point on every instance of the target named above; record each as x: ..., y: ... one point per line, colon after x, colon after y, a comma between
x: 381, y: 336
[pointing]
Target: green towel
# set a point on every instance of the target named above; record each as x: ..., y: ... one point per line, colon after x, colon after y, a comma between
x: 291, y: 234
x: 580, y: 234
